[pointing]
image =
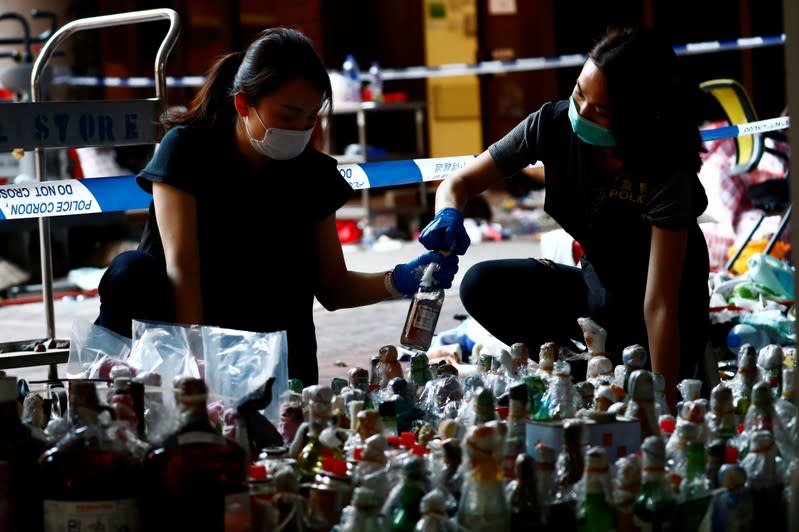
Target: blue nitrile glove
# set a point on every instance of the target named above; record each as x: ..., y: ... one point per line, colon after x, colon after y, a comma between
x: 407, y: 276
x: 446, y: 231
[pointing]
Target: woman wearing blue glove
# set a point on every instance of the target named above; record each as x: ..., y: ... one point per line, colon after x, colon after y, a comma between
x: 621, y: 156
x: 234, y: 173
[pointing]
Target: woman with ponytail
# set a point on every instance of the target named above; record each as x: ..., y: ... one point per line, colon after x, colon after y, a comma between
x: 242, y: 228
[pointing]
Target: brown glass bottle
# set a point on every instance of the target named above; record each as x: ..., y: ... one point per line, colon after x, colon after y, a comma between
x: 88, y: 479
x: 21, y: 450
x: 196, y: 475
x: 420, y: 323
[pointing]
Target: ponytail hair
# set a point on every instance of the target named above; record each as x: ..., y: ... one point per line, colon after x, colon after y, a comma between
x: 211, y: 105
x: 654, y: 118
x: 275, y: 57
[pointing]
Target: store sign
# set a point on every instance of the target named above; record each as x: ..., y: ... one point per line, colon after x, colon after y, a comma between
x: 76, y: 124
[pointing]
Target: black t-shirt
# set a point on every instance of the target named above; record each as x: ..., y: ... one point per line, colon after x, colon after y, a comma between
x: 612, y: 218
x: 256, y: 232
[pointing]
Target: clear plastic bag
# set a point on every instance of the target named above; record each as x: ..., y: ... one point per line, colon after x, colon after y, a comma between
x: 94, y: 350
x: 232, y: 362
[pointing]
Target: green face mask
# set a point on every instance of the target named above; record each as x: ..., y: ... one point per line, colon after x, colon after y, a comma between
x: 587, y: 131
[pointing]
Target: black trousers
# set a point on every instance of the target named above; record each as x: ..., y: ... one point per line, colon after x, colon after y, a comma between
x: 135, y: 286
x: 536, y: 301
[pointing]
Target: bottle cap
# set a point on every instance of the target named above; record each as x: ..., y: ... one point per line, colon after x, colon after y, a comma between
x: 335, y: 466
x: 407, y: 439
x: 257, y: 472
x: 731, y: 455
x: 667, y: 424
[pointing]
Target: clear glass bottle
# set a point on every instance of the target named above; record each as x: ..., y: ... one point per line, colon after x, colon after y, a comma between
x: 595, y: 512
x: 483, y: 505
x: 571, y: 460
x: 363, y: 513
x: 522, y: 493
x: 196, y: 479
x: 626, y: 487
x: 764, y: 478
x: 420, y: 323
x: 558, y: 514
x: 744, y: 379
x: 20, y: 450
x: 516, y: 436
x: 87, y: 478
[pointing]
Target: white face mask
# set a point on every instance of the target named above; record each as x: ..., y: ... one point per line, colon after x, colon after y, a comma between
x: 280, y: 144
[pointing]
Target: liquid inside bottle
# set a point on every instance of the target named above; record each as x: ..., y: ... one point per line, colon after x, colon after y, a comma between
x: 420, y: 323
x: 88, y: 479
x: 197, y: 478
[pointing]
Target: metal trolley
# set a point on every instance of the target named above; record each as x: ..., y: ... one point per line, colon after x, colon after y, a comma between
x: 81, y: 124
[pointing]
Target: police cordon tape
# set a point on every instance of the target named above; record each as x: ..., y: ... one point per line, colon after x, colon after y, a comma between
x: 453, y: 69
x: 109, y: 194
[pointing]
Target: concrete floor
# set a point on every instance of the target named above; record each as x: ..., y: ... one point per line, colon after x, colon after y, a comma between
x: 345, y: 337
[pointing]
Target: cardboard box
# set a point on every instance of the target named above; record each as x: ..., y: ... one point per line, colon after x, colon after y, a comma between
x: 619, y: 438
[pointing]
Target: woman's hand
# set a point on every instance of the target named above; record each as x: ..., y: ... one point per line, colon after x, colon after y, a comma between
x: 446, y: 232
x: 408, y: 276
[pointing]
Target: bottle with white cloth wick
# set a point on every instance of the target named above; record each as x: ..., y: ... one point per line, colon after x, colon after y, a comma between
x: 420, y: 323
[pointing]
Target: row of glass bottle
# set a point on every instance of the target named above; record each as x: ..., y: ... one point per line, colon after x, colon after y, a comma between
x: 84, y: 432
x: 101, y: 476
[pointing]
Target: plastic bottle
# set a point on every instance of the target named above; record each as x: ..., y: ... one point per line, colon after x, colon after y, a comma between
x: 375, y: 82
x: 353, y: 74
x: 743, y: 333
x: 420, y: 323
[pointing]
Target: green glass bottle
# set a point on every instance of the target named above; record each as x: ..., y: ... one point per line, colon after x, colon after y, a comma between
x: 655, y: 505
x: 595, y: 513
x: 694, y: 489
x: 402, y: 506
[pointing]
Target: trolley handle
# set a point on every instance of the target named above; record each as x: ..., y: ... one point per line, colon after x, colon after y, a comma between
x: 106, y: 21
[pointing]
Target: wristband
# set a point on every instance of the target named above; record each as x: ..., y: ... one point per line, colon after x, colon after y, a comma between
x: 391, y: 287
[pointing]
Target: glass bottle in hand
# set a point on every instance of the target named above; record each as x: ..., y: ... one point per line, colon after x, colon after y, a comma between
x: 420, y: 323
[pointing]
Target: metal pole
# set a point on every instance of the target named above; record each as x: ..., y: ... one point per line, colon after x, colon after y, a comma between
x: 791, y: 21
x: 39, y: 161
